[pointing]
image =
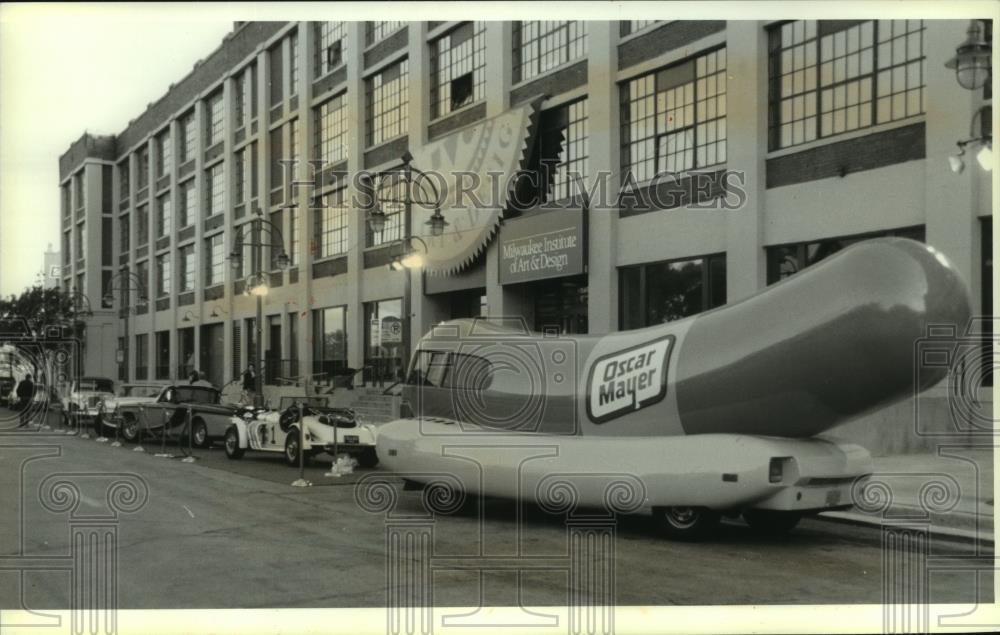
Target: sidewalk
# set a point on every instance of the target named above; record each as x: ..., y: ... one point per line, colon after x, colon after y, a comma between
x: 952, y: 492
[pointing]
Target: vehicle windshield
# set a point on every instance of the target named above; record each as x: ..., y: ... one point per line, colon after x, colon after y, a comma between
x: 196, y: 394
x: 139, y: 391
x: 96, y: 384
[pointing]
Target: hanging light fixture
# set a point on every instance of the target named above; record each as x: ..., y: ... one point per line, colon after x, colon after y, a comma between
x: 972, y: 63
x: 437, y: 223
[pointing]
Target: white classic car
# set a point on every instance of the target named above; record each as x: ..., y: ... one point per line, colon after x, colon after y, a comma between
x: 85, y: 397
x: 278, y: 431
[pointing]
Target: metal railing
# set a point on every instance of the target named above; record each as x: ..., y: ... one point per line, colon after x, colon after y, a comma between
x: 280, y: 371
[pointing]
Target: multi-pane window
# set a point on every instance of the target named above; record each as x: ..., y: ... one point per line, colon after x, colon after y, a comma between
x: 239, y: 176
x: 142, y: 356
x: 80, y: 185
x: 81, y: 241
x: 541, y: 45
x: 163, y: 153
x: 331, y: 130
x: 67, y: 206
x: 124, y: 227
x: 295, y: 66
x: 633, y: 26
x: 376, y: 31
x: 164, y: 215
x: 293, y: 235
x: 563, y: 149
x: 665, y: 291
x: 142, y: 166
x: 187, y: 210
x: 276, y: 76
x: 215, y: 190
x: 674, y: 119
x: 458, y: 68
x: 189, y: 137
x: 123, y: 183
x: 186, y: 278
x: 162, y: 275
x: 142, y: 225
x: 786, y: 260
x: 216, y: 118
x: 387, y: 99
x: 331, y: 225
x: 331, y: 46
x: 834, y: 76
x: 215, y: 257
x: 277, y: 155
x: 240, y: 112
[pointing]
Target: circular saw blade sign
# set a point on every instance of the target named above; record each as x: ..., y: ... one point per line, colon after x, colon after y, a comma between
x: 392, y: 330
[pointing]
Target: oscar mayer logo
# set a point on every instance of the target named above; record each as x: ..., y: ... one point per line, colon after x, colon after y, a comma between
x: 628, y: 380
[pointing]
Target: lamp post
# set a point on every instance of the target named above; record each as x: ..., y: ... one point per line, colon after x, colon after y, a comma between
x: 79, y: 309
x: 256, y: 283
x: 124, y: 282
x: 973, y: 69
x: 422, y: 192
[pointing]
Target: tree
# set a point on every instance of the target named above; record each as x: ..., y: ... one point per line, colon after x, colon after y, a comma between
x: 41, y: 322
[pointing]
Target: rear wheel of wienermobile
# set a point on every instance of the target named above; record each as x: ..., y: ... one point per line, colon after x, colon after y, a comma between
x: 771, y: 522
x: 686, y: 523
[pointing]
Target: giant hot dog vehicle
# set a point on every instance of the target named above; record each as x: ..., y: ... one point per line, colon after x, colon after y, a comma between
x: 715, y: 414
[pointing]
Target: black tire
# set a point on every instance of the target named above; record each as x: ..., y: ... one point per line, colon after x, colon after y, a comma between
x: 233, y: 449
x: 292, y: 448
x: 130, y: 427
x: 686, y: 523
x: 199, y: 434
x: 367, y: 458
x: 771, y: 522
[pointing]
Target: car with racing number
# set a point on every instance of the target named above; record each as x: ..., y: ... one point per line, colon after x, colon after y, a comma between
x: 327, y: 429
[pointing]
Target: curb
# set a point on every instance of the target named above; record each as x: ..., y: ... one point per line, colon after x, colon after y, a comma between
x: 954, y: 533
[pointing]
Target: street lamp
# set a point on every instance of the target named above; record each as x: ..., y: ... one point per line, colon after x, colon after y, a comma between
x: 123, y: 282
x: 422, y: 192
x: 972, y: 63
x: 984, y: 156
x: 263, y: 233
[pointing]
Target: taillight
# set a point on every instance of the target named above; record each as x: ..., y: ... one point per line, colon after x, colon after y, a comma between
x: 775, y: 470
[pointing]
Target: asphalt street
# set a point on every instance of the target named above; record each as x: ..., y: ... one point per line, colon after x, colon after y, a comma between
x: 235, y: 534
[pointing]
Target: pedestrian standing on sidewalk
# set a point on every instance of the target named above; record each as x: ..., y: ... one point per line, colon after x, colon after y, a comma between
x: 249, y: 383
x: 25, y: 391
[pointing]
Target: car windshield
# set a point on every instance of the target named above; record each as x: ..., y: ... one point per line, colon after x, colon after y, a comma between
x: 196, y: 394
x: 96, y: 384
x: 139, y: 391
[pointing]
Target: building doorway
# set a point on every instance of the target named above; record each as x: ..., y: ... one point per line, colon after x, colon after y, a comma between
x: 560, y: 305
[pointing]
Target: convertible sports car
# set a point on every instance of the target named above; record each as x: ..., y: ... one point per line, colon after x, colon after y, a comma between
x: 278, y: 431
x: 209, y: 417
x: 716, y: 414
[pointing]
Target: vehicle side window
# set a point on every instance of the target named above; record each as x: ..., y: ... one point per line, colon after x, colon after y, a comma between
x: 470, y: 372
x: 170, y: 396
x: 429, y: 369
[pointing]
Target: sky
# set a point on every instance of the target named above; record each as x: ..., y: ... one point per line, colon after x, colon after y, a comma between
x: 69, y: 69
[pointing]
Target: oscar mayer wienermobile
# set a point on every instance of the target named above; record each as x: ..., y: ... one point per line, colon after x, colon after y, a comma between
x: 709, y: 415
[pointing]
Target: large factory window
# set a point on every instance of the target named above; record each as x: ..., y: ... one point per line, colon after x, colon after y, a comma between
x: 665, y: 291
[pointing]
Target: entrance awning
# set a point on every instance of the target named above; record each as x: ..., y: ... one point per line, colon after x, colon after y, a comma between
x: 474, y: 168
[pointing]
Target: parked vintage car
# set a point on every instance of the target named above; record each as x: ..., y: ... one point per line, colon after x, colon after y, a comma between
x: 132, y: 394
x: 84, y: 399
x: 278, y: 431
x: 7, y: 385
x: 209, y: 417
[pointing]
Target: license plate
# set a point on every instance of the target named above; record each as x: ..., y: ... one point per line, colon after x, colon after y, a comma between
x: 833, y: 497
x: 350, y: 438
